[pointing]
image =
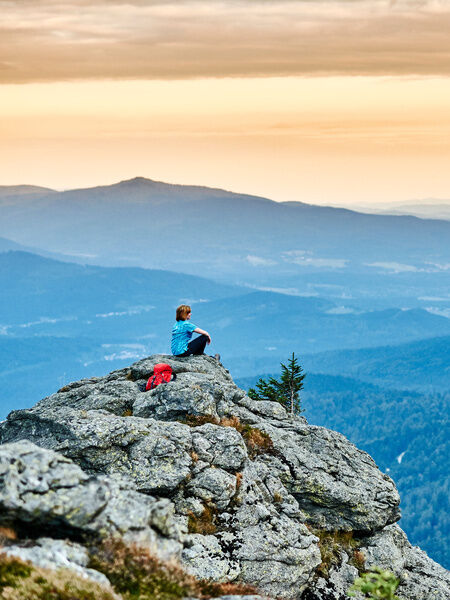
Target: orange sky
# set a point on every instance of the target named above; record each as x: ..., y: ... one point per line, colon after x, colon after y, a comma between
x: 318, y: 101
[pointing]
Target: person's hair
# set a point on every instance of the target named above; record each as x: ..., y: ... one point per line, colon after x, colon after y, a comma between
x: 182, y: 312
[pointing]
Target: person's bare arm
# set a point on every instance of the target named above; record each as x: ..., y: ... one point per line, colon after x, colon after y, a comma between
x: 202, y: 332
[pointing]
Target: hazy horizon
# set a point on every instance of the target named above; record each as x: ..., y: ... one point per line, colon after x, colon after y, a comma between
x: 355, y: 205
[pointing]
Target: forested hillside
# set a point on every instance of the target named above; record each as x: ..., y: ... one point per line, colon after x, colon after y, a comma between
x: 422, y: 365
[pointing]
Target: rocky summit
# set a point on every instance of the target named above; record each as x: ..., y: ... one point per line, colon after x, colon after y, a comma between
x: 234, y: 489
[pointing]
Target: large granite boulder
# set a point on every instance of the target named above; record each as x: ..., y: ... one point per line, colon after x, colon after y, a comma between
x: 46, y: 492
x: 154, y: 455
x: 420, y: 577
x: 318, y: 467
x: 239, y: 490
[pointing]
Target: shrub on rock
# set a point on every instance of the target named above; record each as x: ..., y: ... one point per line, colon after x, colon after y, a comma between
x: 138, y: 575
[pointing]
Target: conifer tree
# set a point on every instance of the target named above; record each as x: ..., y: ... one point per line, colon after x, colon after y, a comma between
x: 291, y: 383
x: 265, y: 390
x: 286, y: 390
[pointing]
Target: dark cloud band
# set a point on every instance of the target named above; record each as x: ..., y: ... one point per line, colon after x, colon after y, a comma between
x: 79, y: 39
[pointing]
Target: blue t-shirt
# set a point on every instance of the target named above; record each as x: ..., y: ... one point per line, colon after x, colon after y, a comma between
x: 181, y: 334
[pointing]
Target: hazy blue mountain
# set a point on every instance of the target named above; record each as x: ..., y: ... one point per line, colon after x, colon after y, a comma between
x: 121, y: 305
x: 63, y: 320
x: 34, y: 287
x: 408, y: 435
x: 426, y: 209
x: 423, y: 365
x: 275, y: 325
x: 14, y: 191
x: 34, y: 367
x: 237, y: 238
x: 6, y: 245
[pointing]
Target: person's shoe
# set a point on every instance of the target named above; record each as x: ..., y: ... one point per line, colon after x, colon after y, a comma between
x: 217, y: 357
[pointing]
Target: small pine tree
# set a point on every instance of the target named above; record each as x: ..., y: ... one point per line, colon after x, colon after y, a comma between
x: 265, y: 390
x: 291, y: 383
x: 286, y: 390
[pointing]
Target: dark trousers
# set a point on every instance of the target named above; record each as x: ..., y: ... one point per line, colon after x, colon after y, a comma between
x: 196, y: 346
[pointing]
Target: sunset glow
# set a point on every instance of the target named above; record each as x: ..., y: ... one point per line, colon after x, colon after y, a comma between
x: 324, y: 102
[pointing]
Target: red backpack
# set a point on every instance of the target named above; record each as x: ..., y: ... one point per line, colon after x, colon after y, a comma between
x: 162, y: 373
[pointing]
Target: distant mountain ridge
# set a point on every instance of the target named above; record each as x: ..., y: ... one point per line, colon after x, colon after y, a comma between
x: 54, y: 298
x: 369, y: 261
x: 423, y: 365
x: 23, y: 190
x: 82, y: 318
x: 152, y: 224
x: 424, y: 210
x: 36, y: 286
x: 7, y: 245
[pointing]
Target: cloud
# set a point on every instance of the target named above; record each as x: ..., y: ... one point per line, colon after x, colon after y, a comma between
x: 442, y: 312
x: 190, y: 301
x: 125, y: 313
x: 49, y: 40
x: 259, y: 261
x: 304, y: 261
x: 394, y: 267
x: 341, y: 310
x: 125, y: 351
x: 439, y: 266
x: 46, y: 321
x: 280, y: 290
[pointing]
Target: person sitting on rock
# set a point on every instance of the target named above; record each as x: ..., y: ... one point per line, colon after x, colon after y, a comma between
x: 182, y: 332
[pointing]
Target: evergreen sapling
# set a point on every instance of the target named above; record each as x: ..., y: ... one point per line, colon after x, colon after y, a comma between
x: 285, y: 390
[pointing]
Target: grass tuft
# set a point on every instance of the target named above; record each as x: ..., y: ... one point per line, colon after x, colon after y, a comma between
x: 12, y: 570
x: 64, y: 389
x: 257, y: 441
x: 138, y: 575
x: 277, y: 498
x: 232, y: 422
x: 22, y: 581
x: 198, y: 420
x: 7, y: 534
x: 331, y: 545
x: 205, y: 523
x: 358, y: 560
